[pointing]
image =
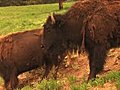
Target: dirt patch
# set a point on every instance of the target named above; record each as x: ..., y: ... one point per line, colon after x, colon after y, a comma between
x: 78, y: 66
x: 107, y: 86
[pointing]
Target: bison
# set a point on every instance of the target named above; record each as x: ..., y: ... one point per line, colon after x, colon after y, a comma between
x: 21, y: 52
x: 91, y: 25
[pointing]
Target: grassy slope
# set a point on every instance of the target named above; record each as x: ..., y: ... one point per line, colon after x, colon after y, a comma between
x: 17, y: 18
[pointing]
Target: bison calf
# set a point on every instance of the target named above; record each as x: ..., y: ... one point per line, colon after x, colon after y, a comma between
x: 20, y: 52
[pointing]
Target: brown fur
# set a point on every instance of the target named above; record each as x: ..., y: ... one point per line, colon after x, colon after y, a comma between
x: 92, y: 24
x: 20, y: 52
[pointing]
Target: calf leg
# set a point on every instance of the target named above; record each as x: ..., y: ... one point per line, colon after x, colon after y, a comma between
x: 14, y: 81
x: 7, y: 82
x: 96, y: 60
x: 11, y: 81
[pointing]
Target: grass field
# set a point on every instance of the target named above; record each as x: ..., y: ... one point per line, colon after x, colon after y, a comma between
x: 21, y: 18
x: 18, y: 18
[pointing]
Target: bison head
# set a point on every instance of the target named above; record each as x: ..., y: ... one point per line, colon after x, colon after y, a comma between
x: 61, y: 31
x: 53, y: 34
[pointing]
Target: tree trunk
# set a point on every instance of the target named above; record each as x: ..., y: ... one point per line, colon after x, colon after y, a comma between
x: 60, y: 4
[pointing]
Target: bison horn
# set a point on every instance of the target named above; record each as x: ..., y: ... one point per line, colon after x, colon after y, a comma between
x: 52, y: 18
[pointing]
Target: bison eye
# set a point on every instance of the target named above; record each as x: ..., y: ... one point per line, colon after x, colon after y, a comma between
x: 43, y: 25
x: 47, y: 28
x: 42, y: 46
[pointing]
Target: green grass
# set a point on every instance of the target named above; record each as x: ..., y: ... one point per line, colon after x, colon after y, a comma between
x: 26, y: 88
x: 48, y: 85
x: 20, y: 18
x: 72, y: 79
x: 111, y: 77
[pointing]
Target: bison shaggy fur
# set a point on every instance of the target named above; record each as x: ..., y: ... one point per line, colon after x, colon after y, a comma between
x: 92, y: 25
x: 20, y: 52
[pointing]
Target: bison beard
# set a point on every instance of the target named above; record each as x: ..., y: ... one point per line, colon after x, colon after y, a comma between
x: 92, y: 24
x: 21, y: 52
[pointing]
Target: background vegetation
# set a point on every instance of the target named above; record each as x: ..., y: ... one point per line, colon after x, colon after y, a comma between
x: 26, y: 2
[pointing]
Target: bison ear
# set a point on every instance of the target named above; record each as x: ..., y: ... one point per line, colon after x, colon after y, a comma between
x: 59, y: 21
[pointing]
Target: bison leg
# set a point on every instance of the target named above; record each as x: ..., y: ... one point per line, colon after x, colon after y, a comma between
x: 56, y: 70
x: 57, y: 65
x: 96, y: 60
x: 7, y: 83
x: 14, y: 81
x: 47, y: 71
x: 48, y: 66
x: 11, y: 81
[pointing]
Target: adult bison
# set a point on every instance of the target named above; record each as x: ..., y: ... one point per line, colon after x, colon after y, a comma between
x: 92, y: 25
x: 21, y: 52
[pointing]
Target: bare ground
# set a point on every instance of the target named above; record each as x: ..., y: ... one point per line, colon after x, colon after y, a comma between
x: 76, y: 66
